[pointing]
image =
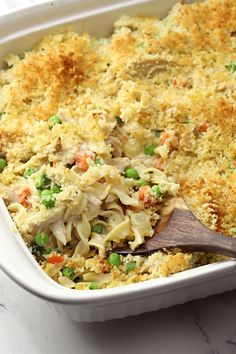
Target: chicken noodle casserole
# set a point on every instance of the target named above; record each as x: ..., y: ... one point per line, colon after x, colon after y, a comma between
x: 96, y: 134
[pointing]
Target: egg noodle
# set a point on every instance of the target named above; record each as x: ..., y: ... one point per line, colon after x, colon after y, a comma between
x: 96, y: 135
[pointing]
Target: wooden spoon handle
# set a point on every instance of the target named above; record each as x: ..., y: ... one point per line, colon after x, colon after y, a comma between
x: 184, y: 231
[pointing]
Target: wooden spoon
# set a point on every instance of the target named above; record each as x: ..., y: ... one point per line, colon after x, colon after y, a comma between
x: 178, y: 228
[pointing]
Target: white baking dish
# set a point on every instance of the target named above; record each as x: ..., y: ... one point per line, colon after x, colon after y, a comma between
x: 18, y: 31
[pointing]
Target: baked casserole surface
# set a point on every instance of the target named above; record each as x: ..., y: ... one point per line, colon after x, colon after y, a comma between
x: 96, y: 134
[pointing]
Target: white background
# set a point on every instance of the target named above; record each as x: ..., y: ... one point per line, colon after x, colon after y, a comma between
x: 30, y: 326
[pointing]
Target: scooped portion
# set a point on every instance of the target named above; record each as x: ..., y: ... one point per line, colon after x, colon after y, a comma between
x: 97, y: 134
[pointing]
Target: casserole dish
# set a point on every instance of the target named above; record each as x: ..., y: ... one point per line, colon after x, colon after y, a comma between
x: 19, y: 265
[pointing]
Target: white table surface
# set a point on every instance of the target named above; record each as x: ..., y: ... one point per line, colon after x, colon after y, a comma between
x: 29, y: 325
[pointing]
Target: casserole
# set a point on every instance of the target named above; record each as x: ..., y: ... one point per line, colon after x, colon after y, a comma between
x: 108, y: 303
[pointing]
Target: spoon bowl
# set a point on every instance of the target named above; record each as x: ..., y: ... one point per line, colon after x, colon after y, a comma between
x: 179, y: 228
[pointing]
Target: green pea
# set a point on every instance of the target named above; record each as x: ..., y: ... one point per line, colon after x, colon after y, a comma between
x: 46, y: 193
x: 149, y: 150
x: 55, y: 189
x: 98, y: 228
x: 130, y: 266
x: 118, y: 120
x: 48, y: 201
x: 157, y: 191
x: 93, y: 286
x: 98, y: 161
x: 114, y: 259
x: 142, y: 182
x: 29, y: 171
x: 131, y: 173
x: 54, y: 120
x: 41, y: 239
x: 3, y: 164
x: 42, y: 181
x: 231, y: 67
x: 68, y: 272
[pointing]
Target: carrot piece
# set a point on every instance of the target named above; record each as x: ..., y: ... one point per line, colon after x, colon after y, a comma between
x: 164, y: 136
x: 144, y: 195
x: 22, y: 197
x: 81, y: 159
x: 160, y: 164
x: 143, y: 191
x: 202, y: 127
x: 55, y: 259
x: 25, y: 203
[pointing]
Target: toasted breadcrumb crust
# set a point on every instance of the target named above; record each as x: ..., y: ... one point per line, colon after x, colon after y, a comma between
x: 171, y: 74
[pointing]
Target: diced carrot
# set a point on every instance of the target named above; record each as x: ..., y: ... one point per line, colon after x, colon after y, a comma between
x: 164, y: 136
x: 25, y: 203
x: 202, y: 127
x: 81, y: 159
x: 160, y: 164
x: 55, y: 259
x: 145, y: 196
x: 143, y: 192
x: 22, y: 197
